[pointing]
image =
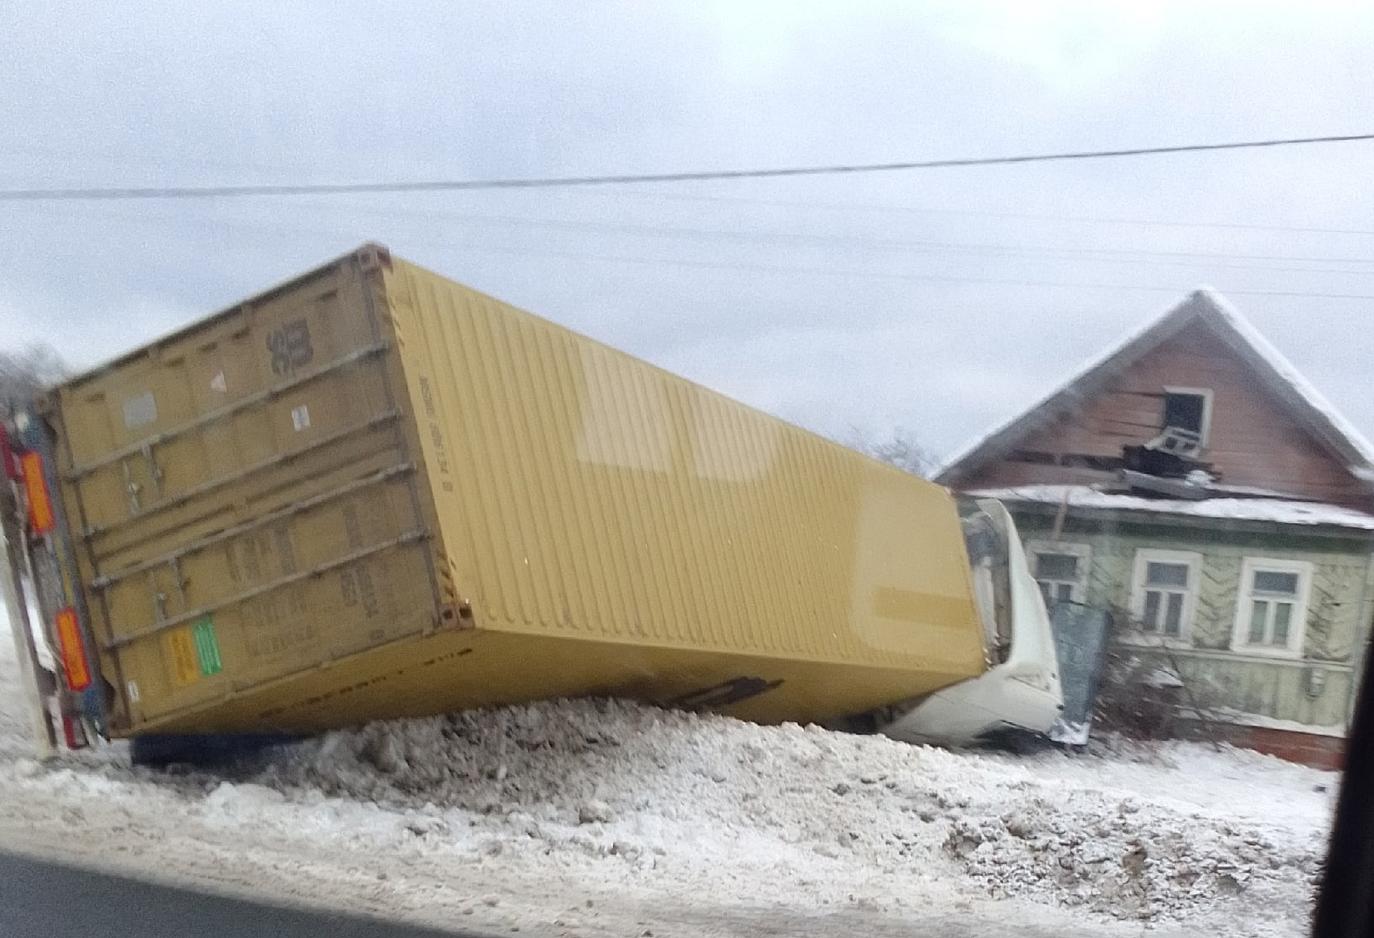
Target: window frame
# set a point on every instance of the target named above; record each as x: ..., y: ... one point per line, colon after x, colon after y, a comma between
x: 1144, y: 556
x: 1297, y: 626
x: 1205, y: 433
x: 1083, y: 552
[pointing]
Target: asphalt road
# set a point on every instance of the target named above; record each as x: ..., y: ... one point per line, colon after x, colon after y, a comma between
x: 47, y: 899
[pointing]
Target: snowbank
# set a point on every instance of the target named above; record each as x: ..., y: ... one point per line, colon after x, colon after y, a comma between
x: 652, y: 788
x: 601, y: 817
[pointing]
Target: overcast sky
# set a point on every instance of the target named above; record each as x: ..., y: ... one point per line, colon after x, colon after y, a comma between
x: 939, y: 300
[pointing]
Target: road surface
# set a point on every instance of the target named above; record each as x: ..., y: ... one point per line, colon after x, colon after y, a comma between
x: 43, y: 898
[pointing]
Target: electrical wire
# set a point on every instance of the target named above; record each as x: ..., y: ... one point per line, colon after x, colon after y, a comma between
x: 1205, y: 260
x: 884, y: 275
x: 992, y: 213
x: 887, y: 208
x: 924, y: 248
x: 550, y: 182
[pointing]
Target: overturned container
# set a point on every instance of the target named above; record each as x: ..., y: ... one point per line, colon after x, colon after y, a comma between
x: 373, y: 492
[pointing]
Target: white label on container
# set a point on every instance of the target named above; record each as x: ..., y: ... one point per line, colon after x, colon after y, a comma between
x: 133, y: 691
x: 140, y: 410
x: 217, y: 383
x: 300, y: 417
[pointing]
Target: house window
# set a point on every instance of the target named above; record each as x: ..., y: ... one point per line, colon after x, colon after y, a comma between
x: 1188, y: 409
x: 1271, y: 610
x: 1164, y: 594
x: 1060, y: 569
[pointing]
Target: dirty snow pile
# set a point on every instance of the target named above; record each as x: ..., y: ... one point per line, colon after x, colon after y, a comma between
x: 706, y: 797
x: 598, y: 818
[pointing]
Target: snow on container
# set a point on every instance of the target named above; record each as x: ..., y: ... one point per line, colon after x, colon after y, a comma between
x: 373, y: 492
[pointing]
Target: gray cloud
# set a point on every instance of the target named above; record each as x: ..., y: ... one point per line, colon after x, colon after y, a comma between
x: 324, y: 92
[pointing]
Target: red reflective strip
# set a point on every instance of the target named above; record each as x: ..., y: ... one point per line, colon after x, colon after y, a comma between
x: 72, y: 733
x: 36, y: 487
x: 7, y: 456
x: 73, y: 652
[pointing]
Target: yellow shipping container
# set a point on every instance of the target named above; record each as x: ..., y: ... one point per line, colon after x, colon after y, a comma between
x: 373, y: 492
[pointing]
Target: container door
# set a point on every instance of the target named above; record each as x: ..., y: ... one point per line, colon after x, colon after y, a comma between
x: 246, y: 501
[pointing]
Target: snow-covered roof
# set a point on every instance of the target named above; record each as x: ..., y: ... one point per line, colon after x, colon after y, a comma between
x: 1209, y: 307
x: 1275, y: 510
x: 1289, y: 374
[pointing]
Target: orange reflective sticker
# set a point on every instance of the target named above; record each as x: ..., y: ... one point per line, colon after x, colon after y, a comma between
x: 36, y: 488
x: 73, y: 652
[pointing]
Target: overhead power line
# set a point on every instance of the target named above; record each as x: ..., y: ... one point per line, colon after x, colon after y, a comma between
x: 994, y: 213
x: 1210, y: 260
x: 551, y: 182
x: 883, y: 207
x: 486, y: 247
x: 775, y: 236
x: 883, y: 275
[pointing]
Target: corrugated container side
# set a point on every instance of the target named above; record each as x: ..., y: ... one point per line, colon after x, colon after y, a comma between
x: 373, y: 492
x: 582, y: 493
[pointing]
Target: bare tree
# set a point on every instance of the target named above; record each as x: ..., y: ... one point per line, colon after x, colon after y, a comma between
x: 25, y: 372
x: 899, y: 448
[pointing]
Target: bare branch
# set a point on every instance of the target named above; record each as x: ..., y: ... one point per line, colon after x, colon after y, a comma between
x: 898, y: 449
x: 25, y: 372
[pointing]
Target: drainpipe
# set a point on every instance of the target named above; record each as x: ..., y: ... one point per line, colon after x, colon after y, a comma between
x: 1062, y: 515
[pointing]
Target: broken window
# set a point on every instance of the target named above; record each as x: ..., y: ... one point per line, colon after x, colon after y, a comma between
x: 1271, y: 611
x: 1189, y: 410
x: 1165, y: 592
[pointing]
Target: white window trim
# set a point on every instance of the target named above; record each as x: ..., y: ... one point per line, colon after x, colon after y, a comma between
x: 1206, y: 395
x: 1146, y: 555
x: 1083, y: 552
x: 1297, y: 628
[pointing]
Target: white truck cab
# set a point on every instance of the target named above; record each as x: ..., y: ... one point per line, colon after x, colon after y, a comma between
x: 1020, y: 690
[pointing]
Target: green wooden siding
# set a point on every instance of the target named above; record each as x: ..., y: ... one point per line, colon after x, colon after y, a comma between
x: 1338, y: 617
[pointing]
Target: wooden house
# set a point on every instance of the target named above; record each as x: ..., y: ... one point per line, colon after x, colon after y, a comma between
x: 1194, y: 483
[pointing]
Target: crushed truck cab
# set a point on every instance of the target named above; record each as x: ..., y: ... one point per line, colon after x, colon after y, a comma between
x: 1020, y: 689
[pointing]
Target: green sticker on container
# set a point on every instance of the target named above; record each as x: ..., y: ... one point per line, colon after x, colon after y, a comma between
x: 207, y: 646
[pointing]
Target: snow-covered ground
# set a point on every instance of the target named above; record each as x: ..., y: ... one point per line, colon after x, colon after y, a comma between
x: 606, y: 818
